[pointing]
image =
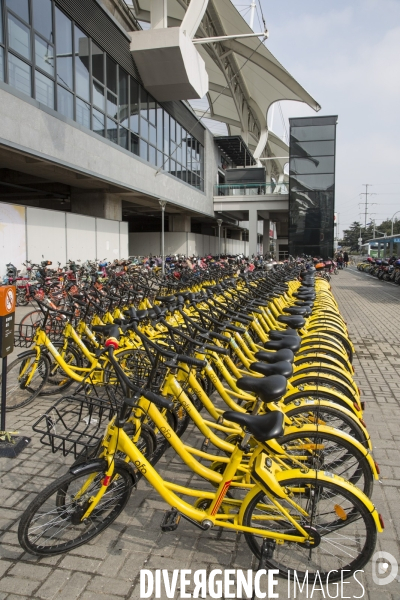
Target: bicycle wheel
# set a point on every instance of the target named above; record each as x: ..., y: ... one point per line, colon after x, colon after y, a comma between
x: 58, y: 380
x: 52, y: 523
x: 35, y: 318
x: 331, y: 416
x: 18, y: 392
x: 22, y: 299
x: 340, y: 544
x: 329, y: 452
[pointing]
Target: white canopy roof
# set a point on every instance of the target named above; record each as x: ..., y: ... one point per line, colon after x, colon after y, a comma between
x: 239, y: 65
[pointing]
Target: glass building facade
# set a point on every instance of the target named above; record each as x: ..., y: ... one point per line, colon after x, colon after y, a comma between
x: 47, y: 56
x: 312, y: 186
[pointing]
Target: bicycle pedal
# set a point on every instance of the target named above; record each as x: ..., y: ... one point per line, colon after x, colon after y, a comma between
x: 170, y: 520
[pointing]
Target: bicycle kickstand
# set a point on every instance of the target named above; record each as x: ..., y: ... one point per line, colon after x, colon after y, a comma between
x: 267, y: 551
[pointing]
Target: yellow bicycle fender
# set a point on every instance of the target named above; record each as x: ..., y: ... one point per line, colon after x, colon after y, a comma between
x: 326, y: 476
x: 341, y: 434
x: 350, y: 413
x: 313, y: 389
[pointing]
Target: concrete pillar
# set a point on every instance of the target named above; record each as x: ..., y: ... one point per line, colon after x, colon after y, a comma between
x: 179, y: 223
x: 96, y: 203
x: 252, y: 231
x: 158, y: 14
x: 266, y: 241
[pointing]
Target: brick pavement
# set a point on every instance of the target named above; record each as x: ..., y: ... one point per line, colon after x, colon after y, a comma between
x: 109, y: 566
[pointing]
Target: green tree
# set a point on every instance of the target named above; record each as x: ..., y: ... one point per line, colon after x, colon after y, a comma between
x: 351, y: 235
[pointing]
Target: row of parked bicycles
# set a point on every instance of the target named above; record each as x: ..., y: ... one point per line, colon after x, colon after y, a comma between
x: 384, y: 269
x: 259, y: 364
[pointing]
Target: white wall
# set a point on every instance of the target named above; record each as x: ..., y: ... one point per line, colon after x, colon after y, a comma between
x: 81, y: 237
x: 123, y: 239
x: 107, y: 239
x: 46, y: 235
x: 12, y: 236
x: 34, y: 233
x: 143, y: 244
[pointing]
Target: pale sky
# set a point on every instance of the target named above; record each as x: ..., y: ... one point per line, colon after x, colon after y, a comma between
x: 347, y: 56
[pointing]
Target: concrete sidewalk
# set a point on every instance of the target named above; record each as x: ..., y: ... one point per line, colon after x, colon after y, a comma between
x: 109, y: 566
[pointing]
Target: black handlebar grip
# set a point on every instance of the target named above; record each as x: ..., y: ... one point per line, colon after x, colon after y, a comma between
x: 157, y: 400
x: 113, y: 337
x: 219, y: 336
x: 189, y: 360
x: 217, y: 349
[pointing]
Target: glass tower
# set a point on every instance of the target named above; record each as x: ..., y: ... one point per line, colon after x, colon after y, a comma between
x: 312, y: 185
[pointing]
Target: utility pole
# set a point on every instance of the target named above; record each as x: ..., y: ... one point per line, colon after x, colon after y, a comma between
x: 366, y: 203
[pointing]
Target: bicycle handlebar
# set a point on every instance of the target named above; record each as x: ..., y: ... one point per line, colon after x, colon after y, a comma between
x: 151, y: 396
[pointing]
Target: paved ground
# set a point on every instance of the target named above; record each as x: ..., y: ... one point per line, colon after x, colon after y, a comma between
x: 109, y: 567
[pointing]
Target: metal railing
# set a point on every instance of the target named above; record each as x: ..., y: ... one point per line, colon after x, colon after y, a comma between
x: 249, y: 189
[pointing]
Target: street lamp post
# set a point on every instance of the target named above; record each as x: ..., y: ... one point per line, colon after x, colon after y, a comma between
x: 219, y: 221
x: 162, y: 204
x: 393, y: 218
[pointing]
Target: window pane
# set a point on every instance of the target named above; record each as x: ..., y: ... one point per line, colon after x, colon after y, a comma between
x: 152, y: 155
x: 166, y: 163
x: 44, y: 55
x: 123, y: 111
x: 144, y: 129
x: 152, y: 110
x: 97, y: 63
x: 173, y: 130
x: 143, y: 149
x: 143, y: 104
x: 173, y: 150
x: 160, y: 135
x: 19, y: 74
x: 112, y: 131
x: 82, y: 64
x: 44, y: 89
x: 1, y: 64
x: 160, y: 159
x: 178, y: 134
x: 98, y: 95
x: 18, y: 37
x: 43, y: 18
x: 166, y: 132
x: 64, y: 49
x: 134, y: 112
x: 172, y: 168
x: 112, y: 105
x: 124, y: 138
x: 20, y: 7
x: 134, y: 144
x: 1, y: 23
x: 322, y: 164
x: 152, y: 135
x: 313, y: 132
x: 65, y: 102
x: 83, y: 113
x: 184, y: 147
x: 304, y: 149
x: 179, y: 153
x: 111, y: 75
x: 98, y: 122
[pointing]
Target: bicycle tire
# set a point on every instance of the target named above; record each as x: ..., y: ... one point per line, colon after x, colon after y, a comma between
x: 56, y: 495
x: 58, y: 381
x: 363, y: 548
x: 15, y: 397
x: 341, y: 457
x: 331, y: 416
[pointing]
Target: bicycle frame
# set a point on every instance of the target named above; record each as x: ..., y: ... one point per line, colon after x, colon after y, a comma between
x: 266, y: 475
